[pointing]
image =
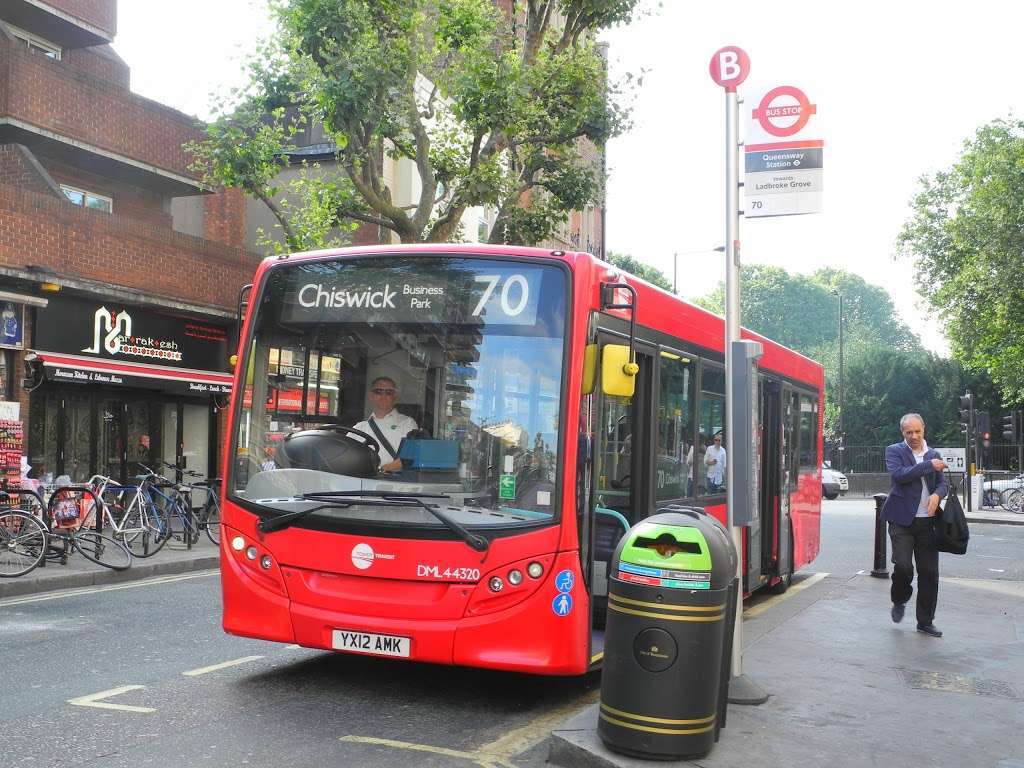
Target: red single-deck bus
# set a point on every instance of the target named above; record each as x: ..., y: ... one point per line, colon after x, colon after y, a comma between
x: 488, y: 544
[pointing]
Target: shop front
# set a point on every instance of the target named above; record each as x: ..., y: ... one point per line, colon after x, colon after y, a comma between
x: 123, y: 386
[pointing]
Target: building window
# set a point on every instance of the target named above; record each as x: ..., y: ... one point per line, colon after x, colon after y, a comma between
x: 6, y: 374
x: 35, y: 43
x: 88, y: 199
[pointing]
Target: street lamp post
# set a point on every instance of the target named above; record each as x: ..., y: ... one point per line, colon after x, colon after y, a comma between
x: 842, y: 433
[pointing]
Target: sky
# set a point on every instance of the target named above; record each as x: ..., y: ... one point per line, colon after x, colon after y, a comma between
x: 899, y: 86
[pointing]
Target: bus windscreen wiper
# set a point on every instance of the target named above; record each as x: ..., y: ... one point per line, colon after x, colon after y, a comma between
x: 345, y: 499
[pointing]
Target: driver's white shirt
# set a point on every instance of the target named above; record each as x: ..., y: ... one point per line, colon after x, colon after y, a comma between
x: 394, y: 427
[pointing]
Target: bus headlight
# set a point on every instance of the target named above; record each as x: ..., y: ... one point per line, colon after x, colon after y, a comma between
x: 535, y: 569
x: 238, y: 543
x: 251, y: 552
x: 515, y: 578
x: 496, y: 584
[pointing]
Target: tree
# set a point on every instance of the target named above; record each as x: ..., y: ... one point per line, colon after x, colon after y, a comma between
x: 489, y: 111
x: 966, y: 239
x: 802, y: 312
x: 651, y: 274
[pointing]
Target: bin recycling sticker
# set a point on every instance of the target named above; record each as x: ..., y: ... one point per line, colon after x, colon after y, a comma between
x: 562, y: 604
x: 660, y: 577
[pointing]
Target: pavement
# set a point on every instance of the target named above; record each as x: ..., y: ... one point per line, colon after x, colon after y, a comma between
x: 79, y: 572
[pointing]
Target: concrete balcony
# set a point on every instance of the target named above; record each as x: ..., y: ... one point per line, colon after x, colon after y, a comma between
x: 75, y: 118
x: 69, y: 23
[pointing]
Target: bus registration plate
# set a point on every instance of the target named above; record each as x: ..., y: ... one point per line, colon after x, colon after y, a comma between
x: 367, y: 642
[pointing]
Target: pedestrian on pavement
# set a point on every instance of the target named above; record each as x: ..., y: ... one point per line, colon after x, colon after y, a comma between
x: 918, y: 486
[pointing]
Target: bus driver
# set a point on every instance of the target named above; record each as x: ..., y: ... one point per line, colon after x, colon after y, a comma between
x: 385, y: 424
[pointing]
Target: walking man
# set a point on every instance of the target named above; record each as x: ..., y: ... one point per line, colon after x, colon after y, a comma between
x: 918, y: 486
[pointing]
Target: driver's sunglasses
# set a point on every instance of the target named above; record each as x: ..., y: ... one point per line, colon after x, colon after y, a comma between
x: 391, y: 392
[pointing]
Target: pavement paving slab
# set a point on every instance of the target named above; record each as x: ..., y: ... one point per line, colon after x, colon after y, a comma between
x: 849, y: 689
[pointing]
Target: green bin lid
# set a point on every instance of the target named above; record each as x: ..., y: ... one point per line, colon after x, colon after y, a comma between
x: 681, y: 548
x: 666, y: 546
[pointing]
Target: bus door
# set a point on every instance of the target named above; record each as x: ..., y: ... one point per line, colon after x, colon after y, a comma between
x: 788, y: 478
x: 776, y: 549
x: 621, y: 477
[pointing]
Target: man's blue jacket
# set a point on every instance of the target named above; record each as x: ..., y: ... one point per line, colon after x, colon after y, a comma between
x: 905, y: 495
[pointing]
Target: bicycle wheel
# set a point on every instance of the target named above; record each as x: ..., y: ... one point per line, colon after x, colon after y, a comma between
x: 23, y: 543
x: 1013, y: 500
x: 102, y: 550
x: 153, y: 521
x: 211, y: 519
x: 141, y: 540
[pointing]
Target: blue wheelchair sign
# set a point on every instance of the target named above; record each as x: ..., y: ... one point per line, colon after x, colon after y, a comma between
x: 564, y: 581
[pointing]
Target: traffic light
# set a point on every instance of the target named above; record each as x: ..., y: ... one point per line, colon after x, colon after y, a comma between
x: 982, y: 425
x: 967, y: 409
x: 1011, y: 427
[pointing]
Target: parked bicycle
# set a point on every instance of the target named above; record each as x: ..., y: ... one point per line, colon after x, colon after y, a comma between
x: 175, y: 504
x: 207, y: 517
x: 66, y: 510
x: 24, y: 539
x: 130, y: 515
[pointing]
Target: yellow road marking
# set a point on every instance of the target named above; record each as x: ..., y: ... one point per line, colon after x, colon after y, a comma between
x: 93, y: 700
x: 110, y: 588
x: 222, y: 665
x: 772, y: 601
x: 498, y: 753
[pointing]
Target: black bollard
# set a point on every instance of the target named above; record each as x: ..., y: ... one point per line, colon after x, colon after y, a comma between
x: 880, y: 571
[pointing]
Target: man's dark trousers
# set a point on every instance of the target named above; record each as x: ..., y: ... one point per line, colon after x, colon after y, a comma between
x: 915, y: 540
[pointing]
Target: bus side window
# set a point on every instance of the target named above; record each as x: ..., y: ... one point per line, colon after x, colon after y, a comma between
x: 709, y: 466
x: 674, y: 409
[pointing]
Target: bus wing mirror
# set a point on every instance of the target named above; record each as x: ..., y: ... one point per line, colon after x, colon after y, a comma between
x: 618, y: 372
x: 589, y: 369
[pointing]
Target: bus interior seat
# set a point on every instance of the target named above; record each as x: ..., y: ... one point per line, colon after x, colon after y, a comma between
x: 609, y: 528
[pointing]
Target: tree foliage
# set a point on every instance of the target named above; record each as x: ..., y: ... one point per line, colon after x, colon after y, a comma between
x: 802, y: 312
x: 651, y: 274
x: 884, y: 384
x: 489, y: 110
x: 966, y: 237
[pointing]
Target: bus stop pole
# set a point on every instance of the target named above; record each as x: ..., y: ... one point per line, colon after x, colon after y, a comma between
x: 741, y: 689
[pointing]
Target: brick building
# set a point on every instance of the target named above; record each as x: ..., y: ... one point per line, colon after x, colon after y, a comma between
x: 116, y: 266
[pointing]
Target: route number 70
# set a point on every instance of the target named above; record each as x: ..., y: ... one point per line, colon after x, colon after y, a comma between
x: 506, y: 293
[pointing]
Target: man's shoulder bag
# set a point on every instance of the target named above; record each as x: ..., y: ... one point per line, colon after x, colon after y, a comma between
x: 950, y: 526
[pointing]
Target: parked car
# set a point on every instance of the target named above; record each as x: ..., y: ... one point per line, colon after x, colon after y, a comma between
x: 1007, y: 493
x: 833, y: 482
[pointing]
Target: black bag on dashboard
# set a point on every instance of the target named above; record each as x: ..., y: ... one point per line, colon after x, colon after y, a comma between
x: 950, y: 526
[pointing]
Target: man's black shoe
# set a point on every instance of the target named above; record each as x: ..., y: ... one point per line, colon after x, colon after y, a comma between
x: 929, y: 629
x: 897, y: 612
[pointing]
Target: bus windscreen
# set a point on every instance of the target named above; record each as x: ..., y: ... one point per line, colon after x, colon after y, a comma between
x: 426, y: 375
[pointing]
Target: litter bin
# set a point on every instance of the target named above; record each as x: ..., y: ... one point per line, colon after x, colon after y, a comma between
x: 667, y: 646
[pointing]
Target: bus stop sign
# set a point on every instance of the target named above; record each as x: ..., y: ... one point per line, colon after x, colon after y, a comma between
x: 729, y: 67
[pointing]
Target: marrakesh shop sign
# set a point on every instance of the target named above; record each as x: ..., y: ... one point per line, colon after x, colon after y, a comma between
x: 112, y: 331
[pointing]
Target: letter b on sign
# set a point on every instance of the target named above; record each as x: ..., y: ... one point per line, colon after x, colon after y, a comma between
x: 730, y: 67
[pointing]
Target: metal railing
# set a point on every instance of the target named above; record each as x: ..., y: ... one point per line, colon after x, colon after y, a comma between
x: 868, y: 459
